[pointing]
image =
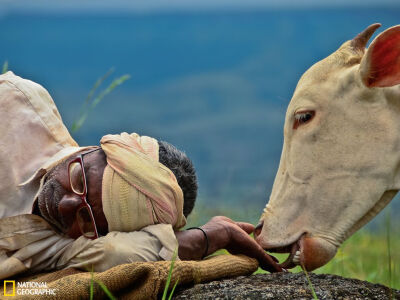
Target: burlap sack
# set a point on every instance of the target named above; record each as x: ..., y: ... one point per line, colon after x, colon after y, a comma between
x: 139, y: 280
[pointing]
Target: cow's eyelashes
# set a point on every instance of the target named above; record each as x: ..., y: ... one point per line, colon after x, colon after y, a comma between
x: 303, y: 117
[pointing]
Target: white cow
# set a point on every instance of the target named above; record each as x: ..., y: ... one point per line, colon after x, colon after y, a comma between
x: 340, y: 162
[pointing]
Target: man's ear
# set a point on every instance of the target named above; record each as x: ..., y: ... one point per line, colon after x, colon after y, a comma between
x: 380, y: 66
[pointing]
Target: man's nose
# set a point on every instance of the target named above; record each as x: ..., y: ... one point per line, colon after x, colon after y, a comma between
x: 68, y: 207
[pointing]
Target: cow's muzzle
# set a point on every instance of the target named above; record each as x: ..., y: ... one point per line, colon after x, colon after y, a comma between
x: 307, y: 251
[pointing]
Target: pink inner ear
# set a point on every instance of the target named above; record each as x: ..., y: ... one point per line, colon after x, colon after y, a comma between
x: 384, y: 60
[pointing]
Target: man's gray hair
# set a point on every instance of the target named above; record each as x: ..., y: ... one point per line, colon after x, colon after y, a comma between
x: 184, y: 171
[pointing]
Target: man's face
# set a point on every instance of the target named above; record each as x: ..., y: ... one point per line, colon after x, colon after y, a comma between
x: 57, y: 202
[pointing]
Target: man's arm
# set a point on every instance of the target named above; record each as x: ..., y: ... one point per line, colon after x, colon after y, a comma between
x: 151, y: 243
x: 223, y: 233
x: 158, y: 242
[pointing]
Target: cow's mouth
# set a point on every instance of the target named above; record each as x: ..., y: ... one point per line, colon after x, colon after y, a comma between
x: 293, y: 259
x: 293, y: 247
x: 309, y: 252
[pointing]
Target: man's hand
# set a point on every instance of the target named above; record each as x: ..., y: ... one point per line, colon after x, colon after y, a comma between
x: 223, y: 233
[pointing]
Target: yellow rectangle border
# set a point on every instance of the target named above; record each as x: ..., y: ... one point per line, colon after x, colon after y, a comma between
x: 5, y: 285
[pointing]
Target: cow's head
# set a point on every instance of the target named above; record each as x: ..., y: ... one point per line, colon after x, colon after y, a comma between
x: 340, y: 162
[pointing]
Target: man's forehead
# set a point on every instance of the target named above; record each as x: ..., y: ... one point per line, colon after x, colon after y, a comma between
x: 87, y: 156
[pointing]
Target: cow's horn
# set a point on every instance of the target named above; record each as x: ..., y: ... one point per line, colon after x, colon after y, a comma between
x: 361, y: 40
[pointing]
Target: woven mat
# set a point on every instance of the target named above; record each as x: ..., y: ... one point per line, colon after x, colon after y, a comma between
x: 139, y: 280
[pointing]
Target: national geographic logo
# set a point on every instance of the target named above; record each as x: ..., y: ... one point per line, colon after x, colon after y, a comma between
x: 27, y: 288
x: 8, y: 283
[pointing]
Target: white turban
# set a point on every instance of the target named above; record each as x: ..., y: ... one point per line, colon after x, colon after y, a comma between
x: 137, y: 190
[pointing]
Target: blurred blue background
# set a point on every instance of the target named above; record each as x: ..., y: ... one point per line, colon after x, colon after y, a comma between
x: 214, y: 79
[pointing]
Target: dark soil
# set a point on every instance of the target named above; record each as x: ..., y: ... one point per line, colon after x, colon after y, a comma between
x: 287, y: 286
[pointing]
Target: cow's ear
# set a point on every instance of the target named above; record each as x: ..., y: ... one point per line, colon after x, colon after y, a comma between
x: 380, y: 66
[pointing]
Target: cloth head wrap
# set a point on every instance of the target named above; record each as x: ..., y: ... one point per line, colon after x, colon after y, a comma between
x: 137, y: 190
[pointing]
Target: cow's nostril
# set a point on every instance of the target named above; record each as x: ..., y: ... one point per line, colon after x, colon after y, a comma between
x: 258, y: 229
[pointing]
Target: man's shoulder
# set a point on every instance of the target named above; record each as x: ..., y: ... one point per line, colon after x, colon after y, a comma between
x: 35, y: 94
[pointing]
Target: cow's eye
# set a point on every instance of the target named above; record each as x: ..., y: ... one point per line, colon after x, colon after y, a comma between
x: 302, y: 117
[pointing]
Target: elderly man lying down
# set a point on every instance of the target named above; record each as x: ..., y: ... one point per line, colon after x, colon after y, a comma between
x: 94, y: 207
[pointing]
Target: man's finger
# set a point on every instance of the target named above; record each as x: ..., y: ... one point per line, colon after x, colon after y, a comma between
x: 222, y: 218
x: 249, y: 228
x: 266, y: 262
x: 244, y: 244
x: 269, y: 264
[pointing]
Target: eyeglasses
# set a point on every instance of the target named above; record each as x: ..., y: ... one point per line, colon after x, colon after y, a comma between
x: 77, y: 180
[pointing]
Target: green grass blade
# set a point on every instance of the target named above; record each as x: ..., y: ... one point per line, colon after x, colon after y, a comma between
x: 91, y: 286
x: 389, y: 254
x: 78, y: 123
x: 86, y: 108
x: 310, y: 284
x: 173, y: 290
x: 164, y: 296
x: 109, y: 89
x: 97, y: 84
x: 101, y: 284
x: 5, y: 67
x: 106, y: 290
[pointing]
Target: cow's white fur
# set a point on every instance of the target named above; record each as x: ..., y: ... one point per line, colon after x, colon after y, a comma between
x: 341, y: 168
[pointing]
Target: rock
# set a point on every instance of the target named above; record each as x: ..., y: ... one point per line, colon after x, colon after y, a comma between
x: 287, y: 286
